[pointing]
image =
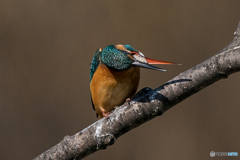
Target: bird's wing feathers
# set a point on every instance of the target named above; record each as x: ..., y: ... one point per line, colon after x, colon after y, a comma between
x: 93, y: 67
x: 95, y: 62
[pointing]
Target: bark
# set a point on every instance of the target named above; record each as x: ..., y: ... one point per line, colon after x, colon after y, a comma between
x: 148, y: 104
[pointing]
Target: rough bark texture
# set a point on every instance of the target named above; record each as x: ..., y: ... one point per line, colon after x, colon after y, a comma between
x: 148, y: 104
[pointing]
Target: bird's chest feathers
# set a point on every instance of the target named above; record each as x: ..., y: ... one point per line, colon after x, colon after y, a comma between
x: 115, y: 86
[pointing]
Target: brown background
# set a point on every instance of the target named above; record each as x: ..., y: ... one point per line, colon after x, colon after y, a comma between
x: 45, y: 50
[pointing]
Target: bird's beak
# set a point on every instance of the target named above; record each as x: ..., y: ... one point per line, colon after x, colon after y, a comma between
x: 145, y: 62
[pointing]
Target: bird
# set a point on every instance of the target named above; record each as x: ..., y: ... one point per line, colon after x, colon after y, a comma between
x: 115, y: 75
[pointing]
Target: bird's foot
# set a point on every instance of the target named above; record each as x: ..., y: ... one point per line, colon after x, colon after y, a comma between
x: 128, y: 100
x: 104, y: 113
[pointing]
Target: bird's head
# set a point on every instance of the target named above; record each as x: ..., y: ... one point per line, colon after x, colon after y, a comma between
x: 123, y: 57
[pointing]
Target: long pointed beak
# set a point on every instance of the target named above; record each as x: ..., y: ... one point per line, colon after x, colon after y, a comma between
x: 146, y: 65
x: 152, y: 61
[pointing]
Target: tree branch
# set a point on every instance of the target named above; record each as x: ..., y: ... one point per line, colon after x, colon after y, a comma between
x: 148, y: 104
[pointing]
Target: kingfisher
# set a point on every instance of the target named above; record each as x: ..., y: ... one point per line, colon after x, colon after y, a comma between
x: 115, y: 75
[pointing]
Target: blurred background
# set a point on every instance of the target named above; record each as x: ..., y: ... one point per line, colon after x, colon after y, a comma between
x: 45, y: 50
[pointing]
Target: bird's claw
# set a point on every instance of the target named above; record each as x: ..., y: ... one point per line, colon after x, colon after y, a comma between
x: 128, y: 100
x: 105, y: 114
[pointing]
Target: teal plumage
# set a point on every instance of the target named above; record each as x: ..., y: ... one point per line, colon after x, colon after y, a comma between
x: 112, y: 57
x: 95, y: 62
x: 130, y: 48
x: 115, y: 58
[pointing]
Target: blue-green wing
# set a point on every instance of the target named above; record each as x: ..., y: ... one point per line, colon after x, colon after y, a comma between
x: 95, y: 62
x: 93, y: 67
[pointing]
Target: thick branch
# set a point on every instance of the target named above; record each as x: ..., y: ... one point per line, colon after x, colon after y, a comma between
x: 148, y: 104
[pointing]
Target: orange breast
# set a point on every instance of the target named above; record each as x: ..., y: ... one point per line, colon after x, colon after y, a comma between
x: 110, y: 88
